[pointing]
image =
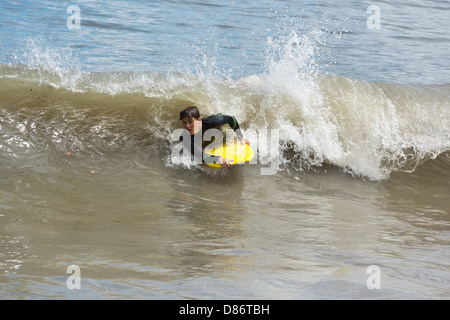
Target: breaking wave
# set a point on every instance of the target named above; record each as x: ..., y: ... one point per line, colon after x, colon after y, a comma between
x: 366, y: 129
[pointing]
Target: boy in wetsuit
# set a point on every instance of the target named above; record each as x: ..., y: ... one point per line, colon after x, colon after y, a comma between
x: 194, y: 124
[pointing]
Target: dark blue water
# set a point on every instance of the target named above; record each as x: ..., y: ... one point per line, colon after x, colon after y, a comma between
x: 409, y: 44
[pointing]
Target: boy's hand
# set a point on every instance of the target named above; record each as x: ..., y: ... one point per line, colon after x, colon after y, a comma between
x: 244, y: 141
x: 225, y: 163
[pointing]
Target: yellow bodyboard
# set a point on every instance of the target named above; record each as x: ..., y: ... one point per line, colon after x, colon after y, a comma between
x: 237, y: 152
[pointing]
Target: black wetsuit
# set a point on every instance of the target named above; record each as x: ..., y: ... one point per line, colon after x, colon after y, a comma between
x: 211, y: 122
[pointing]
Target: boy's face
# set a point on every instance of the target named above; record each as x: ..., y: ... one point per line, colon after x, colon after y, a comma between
x: 192, y: 125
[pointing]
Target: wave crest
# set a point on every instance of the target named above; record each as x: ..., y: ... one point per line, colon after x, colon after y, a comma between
x: 366, y: 129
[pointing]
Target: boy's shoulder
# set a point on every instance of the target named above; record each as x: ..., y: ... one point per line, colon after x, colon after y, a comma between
x: 215, y: 116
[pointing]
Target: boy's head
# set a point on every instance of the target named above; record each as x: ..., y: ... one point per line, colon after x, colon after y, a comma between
x: 191, y: 119
x: 191, y: 112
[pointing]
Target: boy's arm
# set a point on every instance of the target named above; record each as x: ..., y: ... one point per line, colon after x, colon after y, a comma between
x: 219, y: 120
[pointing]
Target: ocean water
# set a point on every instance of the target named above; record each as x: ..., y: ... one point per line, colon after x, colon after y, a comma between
x: 347, y: 107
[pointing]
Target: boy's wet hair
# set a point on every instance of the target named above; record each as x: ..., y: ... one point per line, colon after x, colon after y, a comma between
x: 191, y: 112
